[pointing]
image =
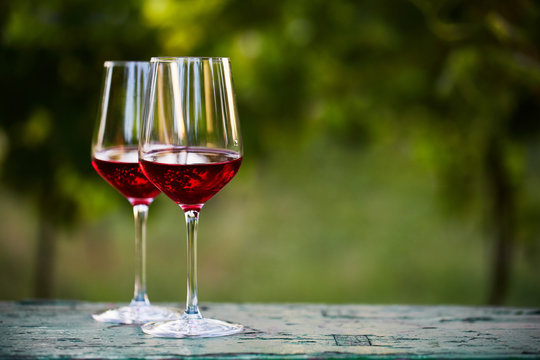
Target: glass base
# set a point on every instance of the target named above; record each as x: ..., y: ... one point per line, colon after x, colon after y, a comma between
x: 137, y: 314
x: 191, y: 326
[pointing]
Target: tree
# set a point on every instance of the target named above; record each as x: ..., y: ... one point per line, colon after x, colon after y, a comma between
x: 488, y: 95
x: 459, y: 79
x: 52, y: 55
x: 354, y: 72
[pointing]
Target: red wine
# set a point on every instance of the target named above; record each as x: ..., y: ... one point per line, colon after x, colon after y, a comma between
x: 190, y: 176
x: 120, y: 167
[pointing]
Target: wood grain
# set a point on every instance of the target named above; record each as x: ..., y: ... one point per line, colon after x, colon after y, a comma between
x: 57, y: 329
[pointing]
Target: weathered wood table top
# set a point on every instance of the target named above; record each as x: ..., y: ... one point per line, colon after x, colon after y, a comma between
x: 30, y: 330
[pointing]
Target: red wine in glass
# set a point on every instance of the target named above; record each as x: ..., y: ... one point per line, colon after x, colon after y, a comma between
x: 120, y: 167
x: 190, y: 148
x: 114, y: 155
x: 190, y: 176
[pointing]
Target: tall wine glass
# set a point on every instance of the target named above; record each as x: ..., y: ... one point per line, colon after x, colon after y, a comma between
x: 190, y: 149
x: 115, y: 158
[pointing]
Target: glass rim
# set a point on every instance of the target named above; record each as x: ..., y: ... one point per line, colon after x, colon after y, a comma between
x: 179, y: 58
x: 110, y: 63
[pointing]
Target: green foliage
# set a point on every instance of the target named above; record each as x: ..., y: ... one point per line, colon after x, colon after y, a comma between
x: 448, y: 85
x: 52, y: 56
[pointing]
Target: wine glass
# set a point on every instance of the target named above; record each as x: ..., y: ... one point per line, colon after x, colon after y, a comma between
x: 190, y: 149
x: 115, y: 158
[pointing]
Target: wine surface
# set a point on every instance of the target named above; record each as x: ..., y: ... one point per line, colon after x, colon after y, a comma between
x: 120, y: 167
x: 190, y: 176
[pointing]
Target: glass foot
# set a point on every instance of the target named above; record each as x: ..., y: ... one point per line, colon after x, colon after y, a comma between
x: 190, y: 326
x: 137, y: 314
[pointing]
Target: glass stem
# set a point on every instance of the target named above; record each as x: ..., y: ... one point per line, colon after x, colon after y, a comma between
x: 192, y: 303
x: 140, y: 212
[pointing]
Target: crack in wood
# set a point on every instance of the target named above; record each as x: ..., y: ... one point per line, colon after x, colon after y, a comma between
x: 335, y: 315
x: 351, y: 340
x: 471, y: 319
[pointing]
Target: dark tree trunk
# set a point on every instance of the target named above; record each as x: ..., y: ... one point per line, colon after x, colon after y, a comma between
x: 502, y: 222
x: 44, y: 260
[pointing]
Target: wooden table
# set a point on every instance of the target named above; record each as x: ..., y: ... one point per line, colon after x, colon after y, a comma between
x: 64, y: 329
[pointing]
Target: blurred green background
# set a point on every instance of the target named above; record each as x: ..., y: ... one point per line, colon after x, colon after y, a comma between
x: 392, y: 152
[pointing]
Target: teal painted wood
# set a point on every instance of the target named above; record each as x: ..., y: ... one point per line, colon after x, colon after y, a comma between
x: 34, y: 330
